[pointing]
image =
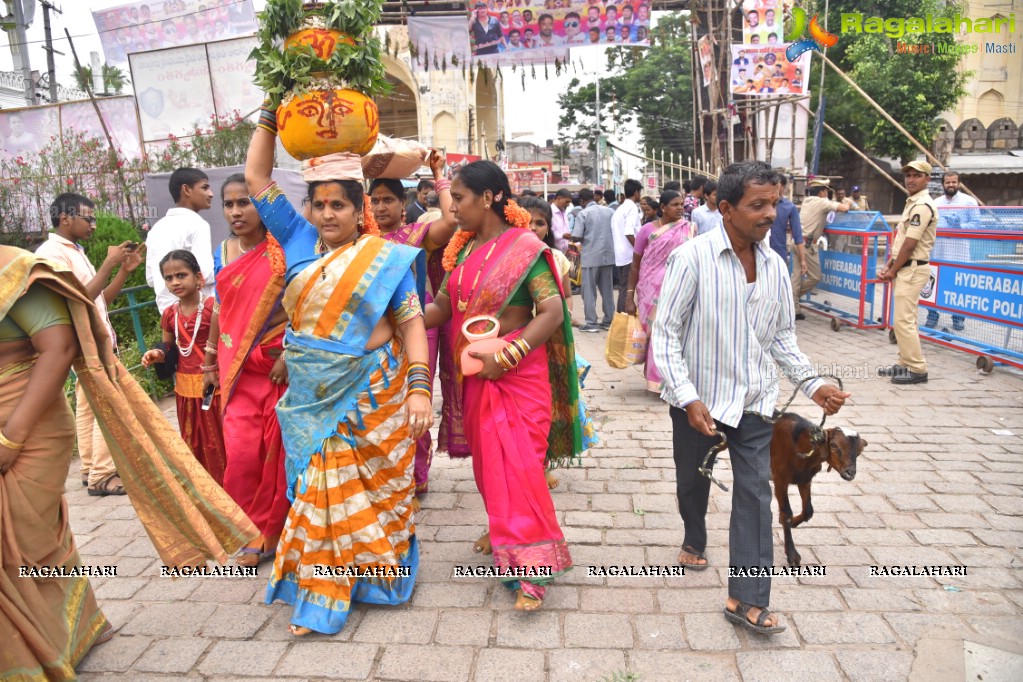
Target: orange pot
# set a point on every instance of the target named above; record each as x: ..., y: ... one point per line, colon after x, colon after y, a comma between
x: 322, y: 40
x: 321, y: 122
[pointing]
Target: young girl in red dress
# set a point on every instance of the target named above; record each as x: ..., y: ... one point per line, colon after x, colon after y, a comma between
x: 186, y: 325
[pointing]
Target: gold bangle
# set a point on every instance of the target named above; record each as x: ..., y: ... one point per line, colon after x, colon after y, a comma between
x: 10, y: 444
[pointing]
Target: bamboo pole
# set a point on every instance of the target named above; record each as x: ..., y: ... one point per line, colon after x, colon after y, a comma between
x: 927, y: 153
x: 863, y: 156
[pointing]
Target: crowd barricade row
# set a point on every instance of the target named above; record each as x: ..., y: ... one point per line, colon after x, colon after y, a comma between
x: 974, y: 299
x: 849, y: 292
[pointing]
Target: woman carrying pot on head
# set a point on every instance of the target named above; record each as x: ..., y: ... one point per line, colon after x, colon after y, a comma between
x: 386, y: 202
x: 523, y: 402
x: 359, y: 393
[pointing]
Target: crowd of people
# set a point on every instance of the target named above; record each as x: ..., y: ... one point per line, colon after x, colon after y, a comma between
x: 305, y: 349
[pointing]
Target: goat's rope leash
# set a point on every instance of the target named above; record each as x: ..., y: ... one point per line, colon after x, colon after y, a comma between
x: 816, y: 434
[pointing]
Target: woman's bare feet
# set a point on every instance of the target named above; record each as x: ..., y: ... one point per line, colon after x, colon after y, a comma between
x: 482, y: 546
x: 416, y: 505
x: 552, y: 480
x: 523, y: 602
x: 298, y: 630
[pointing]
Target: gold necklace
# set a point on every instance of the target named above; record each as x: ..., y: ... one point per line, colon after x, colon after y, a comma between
x: 463, y: 305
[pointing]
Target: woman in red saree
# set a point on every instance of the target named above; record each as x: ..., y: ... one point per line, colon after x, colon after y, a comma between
x: 524, y: 402
x: 386, y: 199
x: 247, y: 337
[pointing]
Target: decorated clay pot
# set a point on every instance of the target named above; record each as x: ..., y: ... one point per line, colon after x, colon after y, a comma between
x: 322, y: 40
x: 327, y: 121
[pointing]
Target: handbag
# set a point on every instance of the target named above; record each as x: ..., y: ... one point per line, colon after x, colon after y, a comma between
x: 626, y: 342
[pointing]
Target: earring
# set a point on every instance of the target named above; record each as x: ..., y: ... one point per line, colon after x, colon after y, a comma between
x: 486, y: 206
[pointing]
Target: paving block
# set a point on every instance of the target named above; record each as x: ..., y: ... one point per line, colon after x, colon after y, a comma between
x: 843, y: 628
x: 770, y: 666
x: 529, y: 630
x: 465, y: 627
x: 231, y: 658
x: 875, y: 665
x: 427, y: 663
x: 710, y: 631
x: 585, y: 665
x: 236, y: 621
x: 382, y: 625
x: 670, y: 666
x: 115, y: 656
x: 176, y: 655
x: 509, y: 665
x: 659, y: 632
x: 177, y: 619
x: 598, y: 630
x: 332, y: 660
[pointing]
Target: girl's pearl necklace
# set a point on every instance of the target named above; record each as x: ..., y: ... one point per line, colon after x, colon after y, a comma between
x: 185, y: 352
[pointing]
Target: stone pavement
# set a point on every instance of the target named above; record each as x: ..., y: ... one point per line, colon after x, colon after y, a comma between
x: 936, y: 486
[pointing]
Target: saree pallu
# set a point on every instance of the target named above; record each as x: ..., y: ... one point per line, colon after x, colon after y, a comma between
x: 651, y: 275
x: 47, y: 625
x: 515, y: 423
x: 250, y: 294
x: 350, y: 458
x: 188, y: 517
x: 414, y: 234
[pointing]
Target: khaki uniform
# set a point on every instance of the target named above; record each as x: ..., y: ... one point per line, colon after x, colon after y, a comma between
x: 813, y: 214
x: 860, y: 205
x: 919, y: 221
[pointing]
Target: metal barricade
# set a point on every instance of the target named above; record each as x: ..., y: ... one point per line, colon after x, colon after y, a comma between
x: 974, y: 299
x: 849, y: 291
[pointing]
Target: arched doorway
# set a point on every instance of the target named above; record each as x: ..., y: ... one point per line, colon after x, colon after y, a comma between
x: 445, y: 131
x: 487, y: 130
x: 399, y: 111
x: 990, y: 106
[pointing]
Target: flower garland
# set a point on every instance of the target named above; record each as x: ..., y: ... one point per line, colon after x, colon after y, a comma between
x: 514, y: 215
x: 278, y: 265
x: 369, y: 223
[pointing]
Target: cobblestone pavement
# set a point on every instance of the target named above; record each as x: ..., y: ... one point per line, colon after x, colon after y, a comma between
x: 937, y: 485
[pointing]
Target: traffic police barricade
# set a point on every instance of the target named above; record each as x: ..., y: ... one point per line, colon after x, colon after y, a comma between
x: 974, y: 299
x: 849, y: 291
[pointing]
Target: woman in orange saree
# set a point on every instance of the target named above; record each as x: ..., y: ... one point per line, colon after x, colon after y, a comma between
x: 248, y: 337
x: 524, y: 403
x: 49, y: 622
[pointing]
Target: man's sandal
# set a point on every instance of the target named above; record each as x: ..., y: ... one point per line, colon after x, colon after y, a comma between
x: 107, y: 486
x: 694, y: 565
x: 740, y: 616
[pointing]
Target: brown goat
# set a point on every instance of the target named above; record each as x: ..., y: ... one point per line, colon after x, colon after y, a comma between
x: 791, y: 442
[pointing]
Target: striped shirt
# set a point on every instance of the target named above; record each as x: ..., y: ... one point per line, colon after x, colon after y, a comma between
x: 719, y: 339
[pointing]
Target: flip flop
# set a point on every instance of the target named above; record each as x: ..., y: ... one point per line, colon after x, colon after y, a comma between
x: 740, y: 617
x: 261, y: 556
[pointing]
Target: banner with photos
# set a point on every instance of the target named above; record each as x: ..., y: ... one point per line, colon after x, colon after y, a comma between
x: 145, y: 26
x: 763, y: 22
x: 765, y: 70
x: 501, y: 29
x: 706, y: 53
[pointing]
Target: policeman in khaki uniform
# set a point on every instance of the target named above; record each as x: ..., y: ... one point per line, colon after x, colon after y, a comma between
x: 908, y: 267
x: 813, y: 214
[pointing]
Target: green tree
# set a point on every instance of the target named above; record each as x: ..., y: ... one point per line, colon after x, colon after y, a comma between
x: 114, y: 79
x: 914, y: 89
x: 650, y: 87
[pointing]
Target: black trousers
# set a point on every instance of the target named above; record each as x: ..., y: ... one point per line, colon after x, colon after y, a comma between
x: 749, y: 535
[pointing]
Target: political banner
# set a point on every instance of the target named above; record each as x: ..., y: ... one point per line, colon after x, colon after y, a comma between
x: 144, y: 26
x: 24, y: 132
x: 762, y: 22
x: 173, y: 90
x: 119, y: 117
x: 706, y: 53
x: 231, y: 72
x: 767, y: 71
x: 509, y: 30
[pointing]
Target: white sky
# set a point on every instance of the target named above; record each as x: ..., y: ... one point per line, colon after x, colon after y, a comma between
x: 534, y: 110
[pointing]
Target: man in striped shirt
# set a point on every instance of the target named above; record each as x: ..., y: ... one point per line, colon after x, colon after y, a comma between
x: 724, y: 325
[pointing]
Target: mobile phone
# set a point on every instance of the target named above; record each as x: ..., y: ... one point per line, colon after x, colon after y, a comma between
x: 207, y: 396
x: 131, y: 247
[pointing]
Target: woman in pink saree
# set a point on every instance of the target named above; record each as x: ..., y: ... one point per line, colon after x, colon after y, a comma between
x: 654, y: 243
x: 386, y: 199
x: 523, y: 404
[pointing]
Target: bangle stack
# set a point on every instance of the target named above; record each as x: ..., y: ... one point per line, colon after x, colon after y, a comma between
x: 10, y: 444
x: 441, y: 185
x: 212, y: 369
x: 267, y: 120
x: 420, y: 379
x: 211, y: 348
x: 511, y: 355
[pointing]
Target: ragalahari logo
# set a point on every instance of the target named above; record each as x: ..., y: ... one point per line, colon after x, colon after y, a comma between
x: 818, y: 40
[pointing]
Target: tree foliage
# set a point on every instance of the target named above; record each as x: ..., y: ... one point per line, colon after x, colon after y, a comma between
x: 915, y: 89
x: 114, y: 79
x: 650, y: 87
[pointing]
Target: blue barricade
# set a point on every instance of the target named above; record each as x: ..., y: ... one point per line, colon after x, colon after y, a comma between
x: 849, y: 291
x: 974, y: 300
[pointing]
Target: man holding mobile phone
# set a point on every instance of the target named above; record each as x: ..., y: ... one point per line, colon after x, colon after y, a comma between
x: 74, y: 220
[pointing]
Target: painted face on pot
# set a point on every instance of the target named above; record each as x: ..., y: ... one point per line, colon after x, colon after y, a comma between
x: 327, y: 111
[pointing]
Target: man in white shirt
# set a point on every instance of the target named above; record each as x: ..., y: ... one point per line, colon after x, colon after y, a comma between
x: 181, y: 228
x: 73, y: 218
x: 946, y: 249
x: 723, y: 334
x: 707, y: 217
x: 559, y: 219
x: 624, y: 224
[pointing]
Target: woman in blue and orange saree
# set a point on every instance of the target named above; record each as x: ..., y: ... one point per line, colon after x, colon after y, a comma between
x: 523, y: 403
x: 358, y: 397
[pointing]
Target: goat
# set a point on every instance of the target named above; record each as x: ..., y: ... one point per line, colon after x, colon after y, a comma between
x: 796, y: 458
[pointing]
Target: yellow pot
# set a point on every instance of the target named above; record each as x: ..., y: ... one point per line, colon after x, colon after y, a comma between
x: 321, y: 122
x: 322, y: 40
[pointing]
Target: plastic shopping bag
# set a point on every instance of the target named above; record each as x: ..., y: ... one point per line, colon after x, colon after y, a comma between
x: 626, y: 342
